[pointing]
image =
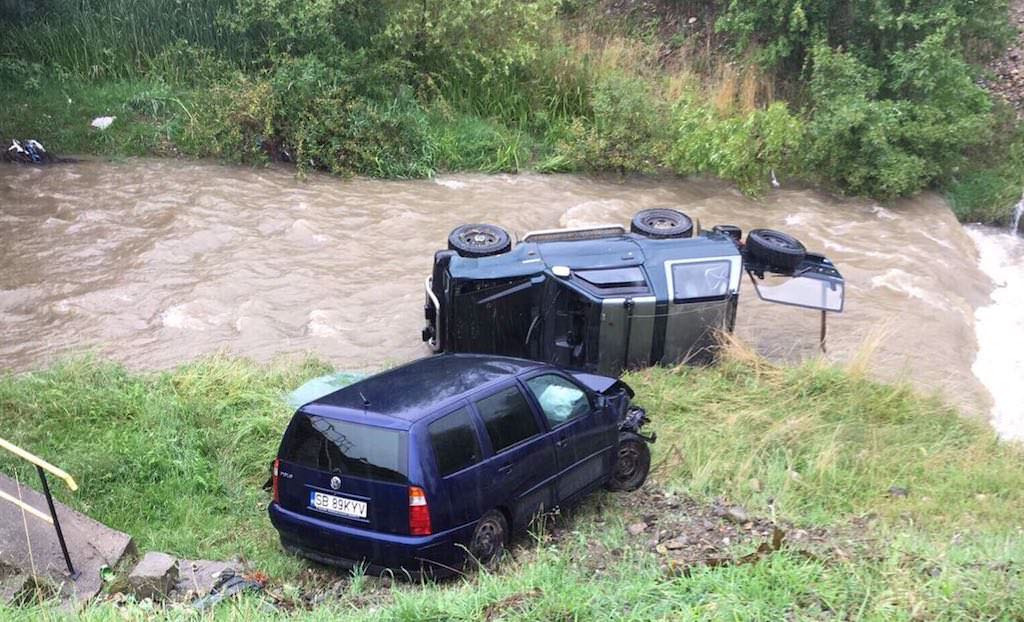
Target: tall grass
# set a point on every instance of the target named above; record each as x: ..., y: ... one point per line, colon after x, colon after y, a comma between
x: 119, y: 38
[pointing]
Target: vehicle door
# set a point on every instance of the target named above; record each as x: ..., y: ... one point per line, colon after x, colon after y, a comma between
x: 461, y: 486
x: 522, y: 468
x: 582, y: 436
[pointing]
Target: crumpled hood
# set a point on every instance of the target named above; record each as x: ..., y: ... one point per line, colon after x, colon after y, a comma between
x: 604, y: 385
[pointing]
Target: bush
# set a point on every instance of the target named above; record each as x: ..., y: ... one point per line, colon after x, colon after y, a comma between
x: 625, y: 131
x: 890, y: 133
x: 311, y: 113
x: 744, y: 149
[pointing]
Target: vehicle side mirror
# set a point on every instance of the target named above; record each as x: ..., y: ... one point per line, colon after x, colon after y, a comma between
x: 815, y: 284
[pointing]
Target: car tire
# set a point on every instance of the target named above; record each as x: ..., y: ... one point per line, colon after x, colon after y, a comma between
x: 776, y: 249
x: 489, y: 540
x: 662, y: 223
x: 632, y: 464
x: 480, y: 240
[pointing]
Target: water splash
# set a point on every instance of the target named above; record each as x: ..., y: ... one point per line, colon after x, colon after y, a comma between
x: 1018, y: 211
x: 1000, y: 361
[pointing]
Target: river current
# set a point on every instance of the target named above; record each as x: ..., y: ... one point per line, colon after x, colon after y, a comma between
x: 155, y: 262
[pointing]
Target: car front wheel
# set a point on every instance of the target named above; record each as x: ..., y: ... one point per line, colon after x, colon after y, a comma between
x: 632, y: 464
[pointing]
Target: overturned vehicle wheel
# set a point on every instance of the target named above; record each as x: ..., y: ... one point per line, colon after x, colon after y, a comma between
x: 480, y: 240
x: 775, y: 249
x: 632, y: 464
x: 662, y: 223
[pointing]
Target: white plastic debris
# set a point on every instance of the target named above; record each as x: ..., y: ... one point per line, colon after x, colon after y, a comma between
x: 102, y: 123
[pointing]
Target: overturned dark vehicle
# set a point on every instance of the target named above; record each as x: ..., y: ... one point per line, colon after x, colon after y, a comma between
x: 603, y: 299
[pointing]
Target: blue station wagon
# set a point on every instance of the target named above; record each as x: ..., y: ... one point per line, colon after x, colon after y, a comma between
x: 428, y: 466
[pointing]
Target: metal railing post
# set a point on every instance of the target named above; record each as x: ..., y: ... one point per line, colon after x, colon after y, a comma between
x: 56, y: 523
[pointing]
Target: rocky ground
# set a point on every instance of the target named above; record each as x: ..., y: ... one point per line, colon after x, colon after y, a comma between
x: 1007, y: 70
x: 681, y: 533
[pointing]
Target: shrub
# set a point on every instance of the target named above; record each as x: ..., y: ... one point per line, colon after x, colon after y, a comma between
x: 745, y: 149
x: 890, y: 133
x: 625, y: 131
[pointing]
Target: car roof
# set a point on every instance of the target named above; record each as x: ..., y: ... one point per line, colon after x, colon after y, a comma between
x: 417, y: 389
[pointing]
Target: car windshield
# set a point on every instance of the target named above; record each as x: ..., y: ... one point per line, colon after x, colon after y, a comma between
x: 810, y: 291
x: 346, y: 448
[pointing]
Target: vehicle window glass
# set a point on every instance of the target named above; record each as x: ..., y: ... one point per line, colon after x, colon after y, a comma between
x: 346, y: 448
x: 560, y: 399
x: 455, y: 443
x: 507, y: 417
x: 706, y: 279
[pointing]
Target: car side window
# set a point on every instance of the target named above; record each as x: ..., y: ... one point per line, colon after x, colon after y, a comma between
x: 507, y: 417
x: 560, y: 399
x: 455, y: 443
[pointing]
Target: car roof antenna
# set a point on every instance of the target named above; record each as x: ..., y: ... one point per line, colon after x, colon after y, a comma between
x: 366, y: 402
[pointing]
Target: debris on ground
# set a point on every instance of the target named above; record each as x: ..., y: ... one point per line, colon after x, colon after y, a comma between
x: 102, y: 123
x: 28, y: 151
x: 684, y: 534
x: 228, y: 585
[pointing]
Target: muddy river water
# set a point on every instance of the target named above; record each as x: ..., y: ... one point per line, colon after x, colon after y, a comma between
x: 154, y: 262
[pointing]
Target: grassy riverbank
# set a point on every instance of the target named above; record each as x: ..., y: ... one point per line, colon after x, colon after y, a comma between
x: 177, y: 459
x: 879, y: 101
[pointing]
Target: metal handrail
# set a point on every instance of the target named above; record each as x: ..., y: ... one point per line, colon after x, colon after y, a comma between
x: 39, y: 462
x: 42, y: 466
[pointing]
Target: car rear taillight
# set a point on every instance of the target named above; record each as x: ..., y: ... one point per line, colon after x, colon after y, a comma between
x: 419, y: 512
x: 276, y: 475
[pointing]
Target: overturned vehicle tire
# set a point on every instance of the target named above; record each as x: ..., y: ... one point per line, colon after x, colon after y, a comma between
x: 775, y: 249
x: 479, y: 240
x: 662, y: 223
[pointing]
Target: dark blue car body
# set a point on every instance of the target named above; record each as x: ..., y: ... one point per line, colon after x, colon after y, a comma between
x: 441, y: 425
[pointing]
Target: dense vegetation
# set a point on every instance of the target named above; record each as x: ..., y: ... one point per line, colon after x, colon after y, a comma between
x: 177, y: 459
x: 877, y: 99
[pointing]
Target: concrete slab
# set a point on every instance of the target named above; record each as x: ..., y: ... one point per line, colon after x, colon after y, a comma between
x: 90, y: 543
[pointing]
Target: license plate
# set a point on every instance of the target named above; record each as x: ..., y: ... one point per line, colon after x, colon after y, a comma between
x: 333, y: 504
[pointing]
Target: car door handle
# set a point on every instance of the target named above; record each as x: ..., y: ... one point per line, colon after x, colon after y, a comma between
x: 561, y: 442
x: 505, y: 468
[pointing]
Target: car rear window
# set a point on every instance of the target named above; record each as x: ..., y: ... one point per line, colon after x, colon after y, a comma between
x: 455, y: 443
x: 507, y: 417
x: 346, y: 448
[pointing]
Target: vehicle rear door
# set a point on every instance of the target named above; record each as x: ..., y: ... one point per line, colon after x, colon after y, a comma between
x: 522, y: 468
x: 583, y: 438
x: 461, y: 484
x: 345, y: 472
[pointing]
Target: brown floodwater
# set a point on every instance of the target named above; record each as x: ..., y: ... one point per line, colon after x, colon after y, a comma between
x: 155, y: 262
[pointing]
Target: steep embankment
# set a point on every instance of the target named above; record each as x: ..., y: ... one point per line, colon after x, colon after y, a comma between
x: 894, y: 505
x: 1008, y: 67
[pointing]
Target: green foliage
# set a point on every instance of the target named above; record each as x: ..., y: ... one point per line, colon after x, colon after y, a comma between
x: 784, y: 32
x: 625, y: 131
x: 988, y: 188
x: 890, y: 133
x: 745, y: 149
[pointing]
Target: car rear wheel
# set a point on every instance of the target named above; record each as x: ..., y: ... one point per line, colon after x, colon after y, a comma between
x: 632, y: 464
x: 489, y: 539
x: 776, y: 249
x: 662, y: 223
x: 479, y: 240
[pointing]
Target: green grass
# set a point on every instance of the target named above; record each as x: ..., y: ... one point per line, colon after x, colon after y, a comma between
x: 177, y: 459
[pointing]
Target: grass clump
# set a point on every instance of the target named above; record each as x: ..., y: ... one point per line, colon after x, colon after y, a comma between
x: 177, y: 458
